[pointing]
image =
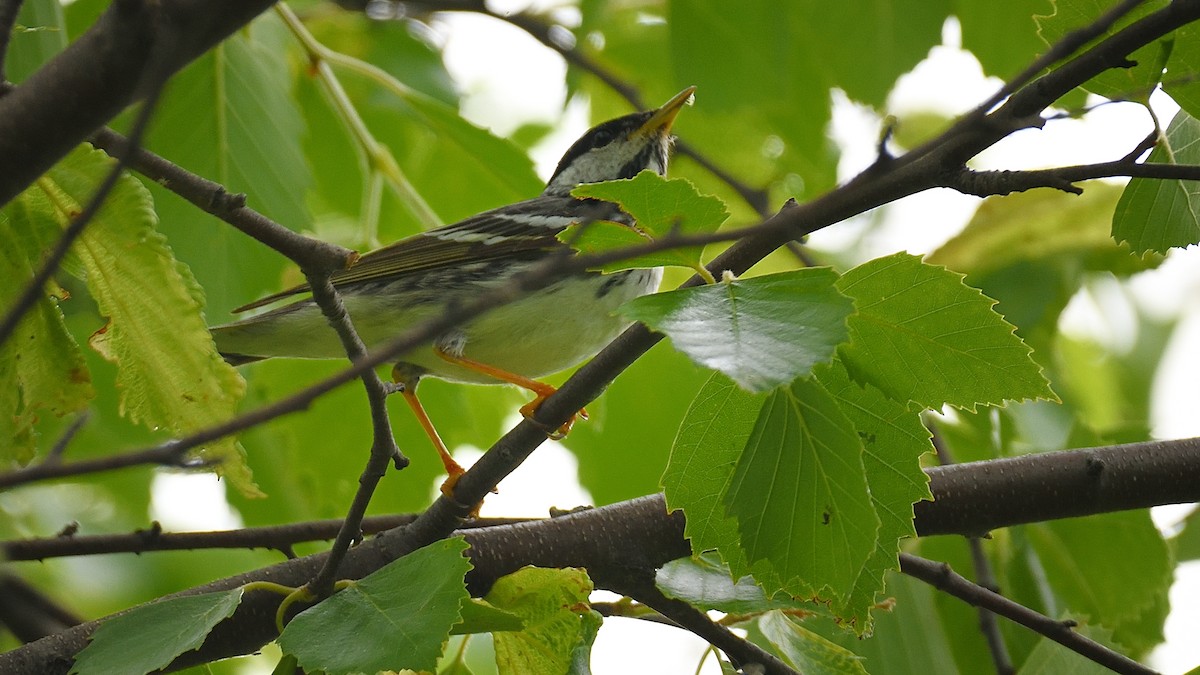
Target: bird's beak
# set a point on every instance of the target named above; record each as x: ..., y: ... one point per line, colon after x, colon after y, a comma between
x: 662, y: 119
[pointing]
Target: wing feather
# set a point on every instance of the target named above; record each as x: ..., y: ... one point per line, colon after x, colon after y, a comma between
x: 523, y: 229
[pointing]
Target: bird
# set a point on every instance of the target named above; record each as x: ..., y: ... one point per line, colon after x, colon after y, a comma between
x: 395, y: 287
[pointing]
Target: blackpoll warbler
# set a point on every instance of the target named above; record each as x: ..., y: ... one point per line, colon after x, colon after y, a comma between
x: 400, y: 285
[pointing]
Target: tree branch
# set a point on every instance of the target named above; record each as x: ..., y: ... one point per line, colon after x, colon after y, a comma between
x: 101, y: 73
x: 212, y: 198
x: 988, y: 183
x: 969, y: 499
x: 171, y: 453
x: 940, y: 576
x: 30, y: 614
x: 983, y: 572
x: 276, y: 537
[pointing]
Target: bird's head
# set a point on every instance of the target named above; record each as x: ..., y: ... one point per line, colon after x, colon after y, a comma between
x: 619, y: 148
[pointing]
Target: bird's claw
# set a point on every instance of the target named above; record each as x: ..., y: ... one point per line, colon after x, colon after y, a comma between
x: 530, y: 409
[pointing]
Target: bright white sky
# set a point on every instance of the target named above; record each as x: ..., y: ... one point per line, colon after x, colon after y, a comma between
x: 519, y: 80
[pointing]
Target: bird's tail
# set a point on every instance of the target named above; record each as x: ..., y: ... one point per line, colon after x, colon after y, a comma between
x: 232, y: 343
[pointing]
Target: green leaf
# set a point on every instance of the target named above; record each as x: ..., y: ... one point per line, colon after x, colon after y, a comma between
x: 760, y: 331
x: 168, y: 370
x: 480, y: 617
x: 1043, y: 226
x: 553, y: 603
x: 660, y: 207
x: 1051, y: 658
x: 1182, y: 69
x: 1087, y: 562
x: 894, y: 440
x: 911, y: 637
x: 705, y: 583
x: 806, y: 651
x: 149, y: 637
x: 799, y: 52
x: 1133, y: 83
x: 1187, y: 542
x: 39, y: 34
x: 397, y: 617
x: 1002, y: 35
x: 581, y: 655
x: 921, y: 335
x: 624, y: 447
x: 1156, y: 215
x: 41, y: 366
x: 800, y: 495
x: 230, y: 117
x: 711, y: 439
x: 287, y: 666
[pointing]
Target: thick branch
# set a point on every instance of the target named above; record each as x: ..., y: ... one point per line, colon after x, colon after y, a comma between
x: 970, y: 499
x: 101, y: 73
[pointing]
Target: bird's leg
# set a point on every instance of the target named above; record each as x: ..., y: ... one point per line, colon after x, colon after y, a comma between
x: 408, y: 383
x: 541, y: 389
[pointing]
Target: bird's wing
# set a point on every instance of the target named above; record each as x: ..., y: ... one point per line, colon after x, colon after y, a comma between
x: 522, y: 229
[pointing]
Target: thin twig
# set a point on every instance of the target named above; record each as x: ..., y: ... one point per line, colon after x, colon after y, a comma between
x: 1067, y: 45
x: 276, y: 537
x: 171, y: 453
x: 54, y: 455
x: 214, y: 199
x: 940, y: 576
x: 383, y: 444
x: 983, y: 571
x: 639, y: 585
x: 989, y: 183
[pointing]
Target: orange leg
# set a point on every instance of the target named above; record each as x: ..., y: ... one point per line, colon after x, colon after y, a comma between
x: 541, y: 389
x: 453, y: 470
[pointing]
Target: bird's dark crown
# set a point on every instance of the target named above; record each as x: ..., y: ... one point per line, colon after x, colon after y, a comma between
x: 601, y: 135
x: 609, y: 151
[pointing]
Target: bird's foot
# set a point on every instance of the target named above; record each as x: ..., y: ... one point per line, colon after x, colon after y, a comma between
x: 530, y: 409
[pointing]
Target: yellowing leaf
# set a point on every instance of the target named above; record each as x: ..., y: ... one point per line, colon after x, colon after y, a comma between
x: 168, y: 371
x: 558, y: 621
x: 41, y: 366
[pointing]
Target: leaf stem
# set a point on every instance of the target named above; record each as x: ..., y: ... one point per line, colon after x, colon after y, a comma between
x: 379, y: 158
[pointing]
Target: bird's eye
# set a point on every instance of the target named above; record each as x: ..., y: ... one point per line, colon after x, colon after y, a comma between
x: 602, y: 137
